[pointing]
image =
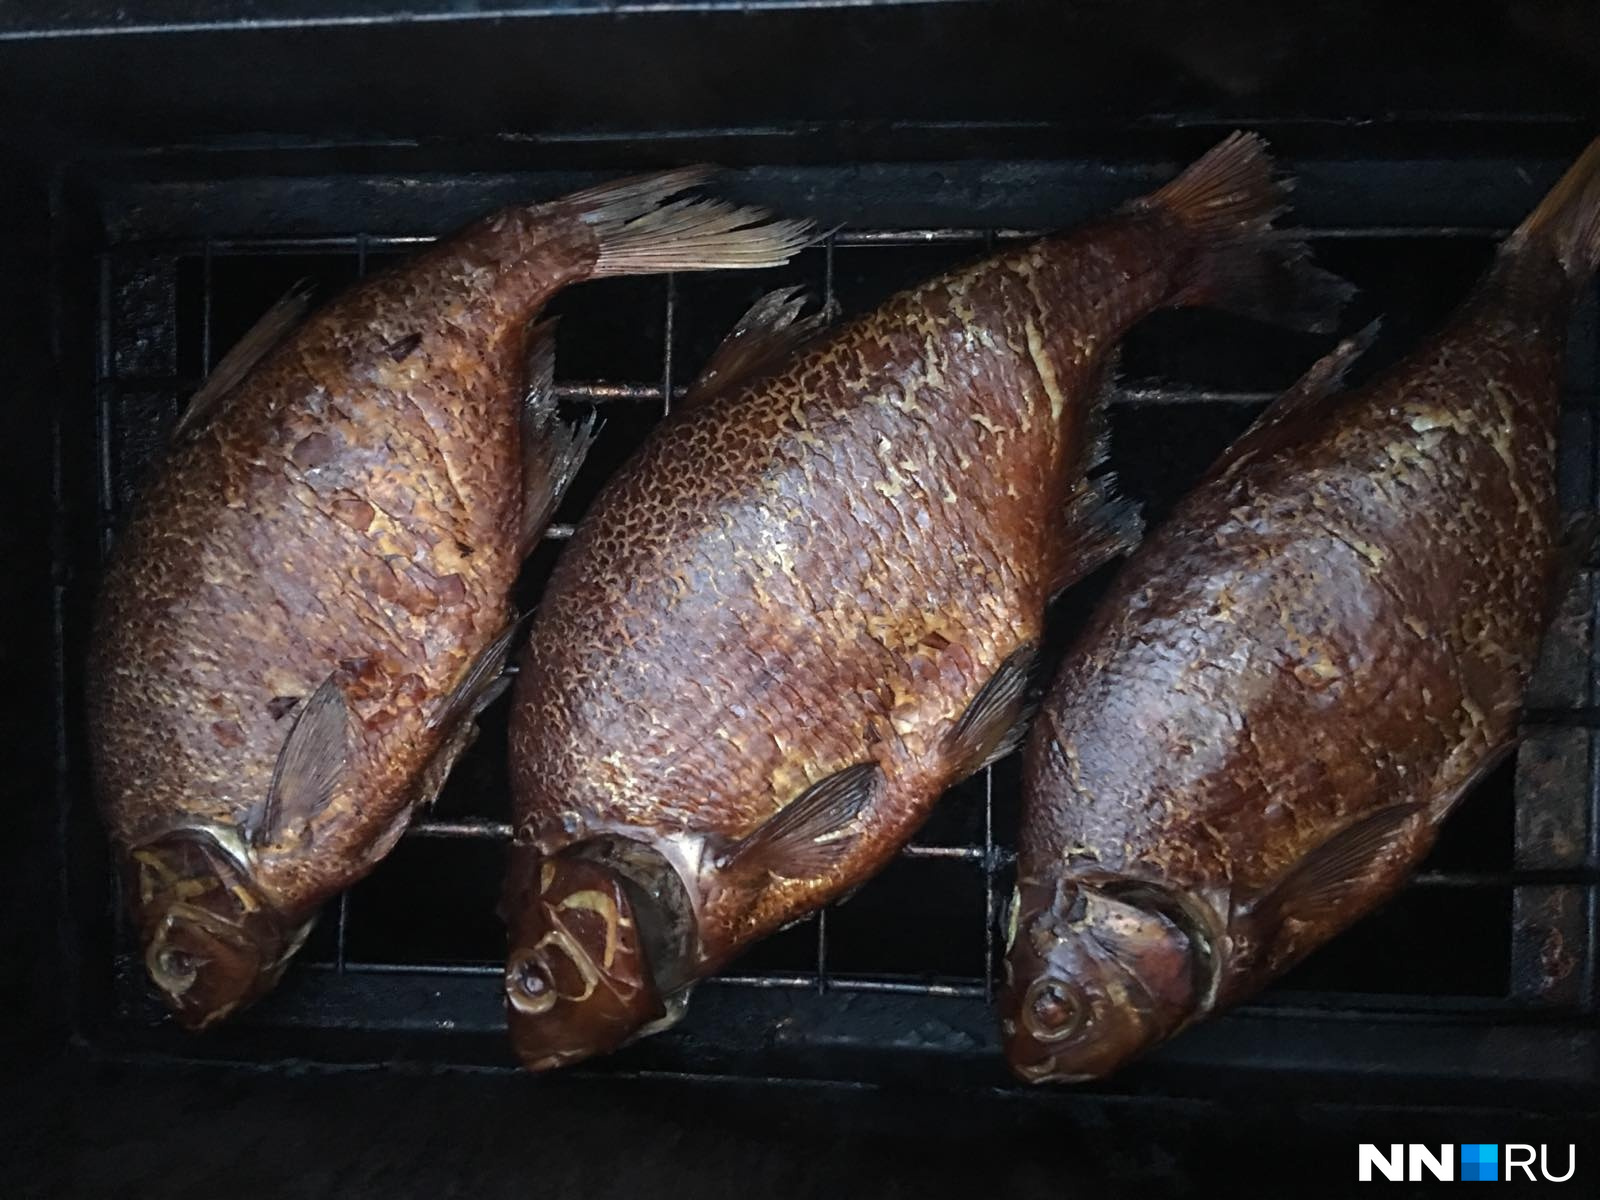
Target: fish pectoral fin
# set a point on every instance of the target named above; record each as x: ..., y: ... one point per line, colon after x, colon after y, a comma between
x: 1277, y: 422
x: 309, y: 765
x: 767, y: 332
x: 996, y: 721
x: 1338, y: 868
x: 553, y: 450
x: 272, y: 327
x: 1099, y: 526
x: 813, y: 831
x: 482, y: 683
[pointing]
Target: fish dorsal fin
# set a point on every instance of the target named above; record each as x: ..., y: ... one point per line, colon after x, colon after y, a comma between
x: 483, y: 681
x: 1308, y: 394
x: 309, y: 765
x: 810, y: 833
x: 770, y: 329
x: 272, y: 327
x: 1339, y: 867
x: 553, y: 450
x: 997, y: 719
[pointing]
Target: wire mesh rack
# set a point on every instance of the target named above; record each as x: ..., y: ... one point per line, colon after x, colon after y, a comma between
x: 1499, y: 926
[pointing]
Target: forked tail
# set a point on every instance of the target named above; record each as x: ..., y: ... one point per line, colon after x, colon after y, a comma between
x: 1228, y: 199
x: 642, y: 229
x: 1567, y: 220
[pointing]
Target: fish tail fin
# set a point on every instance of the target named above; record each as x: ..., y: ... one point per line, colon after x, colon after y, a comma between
x: 1567, y: 221
x: 644, y: 225
x: 1227, y: 200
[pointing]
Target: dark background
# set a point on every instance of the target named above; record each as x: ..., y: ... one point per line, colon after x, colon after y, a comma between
x: 190, y: 94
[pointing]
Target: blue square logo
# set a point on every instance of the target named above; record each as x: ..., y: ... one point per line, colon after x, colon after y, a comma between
x: 1480, y: 1161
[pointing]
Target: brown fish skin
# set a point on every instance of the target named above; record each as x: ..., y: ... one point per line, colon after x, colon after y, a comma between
x: 305, y: 612
x: 1291, y: 684
x: 746, y: 684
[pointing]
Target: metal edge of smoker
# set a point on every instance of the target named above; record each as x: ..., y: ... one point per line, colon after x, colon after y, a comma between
x: 851, y: 1030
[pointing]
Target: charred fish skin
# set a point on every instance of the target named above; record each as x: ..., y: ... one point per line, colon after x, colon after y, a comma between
x: 808, y: 605
x: 1291, y: 684
x: 310, y: 602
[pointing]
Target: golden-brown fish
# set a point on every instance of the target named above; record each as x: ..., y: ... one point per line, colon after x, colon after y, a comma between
x: 310, y: 604
x: 1292, y: 682
x: 809, y: 604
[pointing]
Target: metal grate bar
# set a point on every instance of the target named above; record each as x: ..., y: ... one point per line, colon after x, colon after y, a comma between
x: 206, y: 305
x: 1559, y: 894
x: 995, y: 857
x: 844, y: 238
x: 341, y: 955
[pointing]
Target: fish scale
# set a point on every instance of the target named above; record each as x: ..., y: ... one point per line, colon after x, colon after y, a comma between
x: 308, y: 606
x: 1389, y: 556
x: 772, y: 736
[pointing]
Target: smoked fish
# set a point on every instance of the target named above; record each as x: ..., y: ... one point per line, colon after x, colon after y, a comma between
x: 1292, y: 682
x: 310, y: 603
x: 810, y: 603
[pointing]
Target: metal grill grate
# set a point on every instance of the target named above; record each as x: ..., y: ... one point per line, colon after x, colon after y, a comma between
x: 1501, y: 922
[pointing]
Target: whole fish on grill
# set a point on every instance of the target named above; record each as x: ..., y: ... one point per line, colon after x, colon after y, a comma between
x: 810, y: 603
x: 1292, y: 682
x: 310, y: 604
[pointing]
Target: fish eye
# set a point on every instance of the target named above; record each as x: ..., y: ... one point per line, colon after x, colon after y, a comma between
x: 1053, y: 1010
x: 177, y: 964
x: 529, y: 987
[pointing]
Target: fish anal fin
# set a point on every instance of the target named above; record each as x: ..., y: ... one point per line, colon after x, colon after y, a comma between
x: 770, y: 329
x: 996, y: 721
x: 1309, y: 395
x: 811, y: 833
x: 1098, y: 526
x: 482, y: 682
x: 310, y: 763
x: 430, y: 783
x: 1487, y: 766
x: 1340, y: 867
x: 553, y: 450
x: 270, y: 329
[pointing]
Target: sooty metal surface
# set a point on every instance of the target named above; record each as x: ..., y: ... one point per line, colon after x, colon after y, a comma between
x: 1498, y: 930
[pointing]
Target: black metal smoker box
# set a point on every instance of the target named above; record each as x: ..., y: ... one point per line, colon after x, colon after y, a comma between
x: 167, y: 168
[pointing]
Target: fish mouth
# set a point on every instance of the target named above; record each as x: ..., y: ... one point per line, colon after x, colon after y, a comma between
x: 1101, y: 969
x: 602, y: 944
x: 212, y: 942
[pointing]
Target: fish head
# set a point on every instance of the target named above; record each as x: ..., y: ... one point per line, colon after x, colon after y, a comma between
x: 212, y: 942
x: 1100, y: 970
x: 599, y: 935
